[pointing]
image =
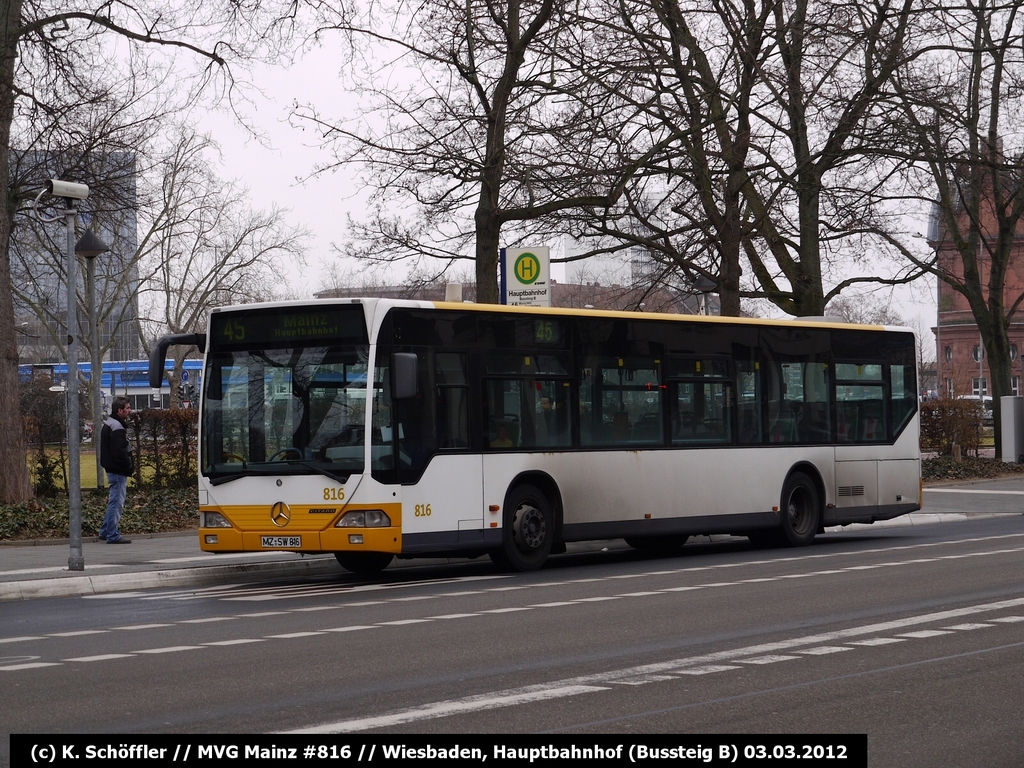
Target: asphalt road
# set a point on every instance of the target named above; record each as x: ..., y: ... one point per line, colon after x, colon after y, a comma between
x: 913, y: 635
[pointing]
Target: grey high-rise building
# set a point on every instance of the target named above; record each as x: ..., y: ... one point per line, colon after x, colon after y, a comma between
x: 39, y: 257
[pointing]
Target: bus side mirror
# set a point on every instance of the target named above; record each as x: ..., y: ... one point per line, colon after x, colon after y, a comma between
x: 158, y: 354
x: 404, y: 372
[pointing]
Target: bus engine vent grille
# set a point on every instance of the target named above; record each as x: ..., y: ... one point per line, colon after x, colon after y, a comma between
x: 851, y: 490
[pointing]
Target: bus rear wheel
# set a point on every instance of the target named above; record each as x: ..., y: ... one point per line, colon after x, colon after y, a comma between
x: 529, y: 531
x: 800, y: 511
x: 364, y: 563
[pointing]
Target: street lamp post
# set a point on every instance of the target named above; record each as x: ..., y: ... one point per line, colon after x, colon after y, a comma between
x: 704, y: 285
x: 68, y: 192
x: 89, y: 247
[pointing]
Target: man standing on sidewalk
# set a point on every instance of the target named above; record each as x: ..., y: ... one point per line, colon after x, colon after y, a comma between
x: 116, y: 458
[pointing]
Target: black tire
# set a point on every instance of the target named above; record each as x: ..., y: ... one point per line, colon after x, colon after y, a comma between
x: 658, y: 545
x: 800, y: 510
x: 529, y: 530
x: 364, y: 563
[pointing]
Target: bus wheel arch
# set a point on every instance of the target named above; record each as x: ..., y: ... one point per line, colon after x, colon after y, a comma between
x: 531, y: 523
x: 801, y: 506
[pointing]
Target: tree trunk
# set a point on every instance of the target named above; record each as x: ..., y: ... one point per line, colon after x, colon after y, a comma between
x: 14, y: 478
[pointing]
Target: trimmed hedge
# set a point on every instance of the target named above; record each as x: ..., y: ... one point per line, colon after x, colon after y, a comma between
x: 968, y: 468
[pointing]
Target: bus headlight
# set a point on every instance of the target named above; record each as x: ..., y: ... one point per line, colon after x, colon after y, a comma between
x: 364, y: 518
x: 213, y: 520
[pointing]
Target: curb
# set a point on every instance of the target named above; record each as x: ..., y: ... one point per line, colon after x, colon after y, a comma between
x: 185, y: 577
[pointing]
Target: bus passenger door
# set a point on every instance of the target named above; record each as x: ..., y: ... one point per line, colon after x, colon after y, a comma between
x: 442, y: 487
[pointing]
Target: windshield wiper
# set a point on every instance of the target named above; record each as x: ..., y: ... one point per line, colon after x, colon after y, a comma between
x: 227, y: 478
x: 340, y: 479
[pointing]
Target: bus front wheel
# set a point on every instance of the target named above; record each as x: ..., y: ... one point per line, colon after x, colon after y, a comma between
x: 529, y: 531
x: 801, y: 510
x: 364, y: 563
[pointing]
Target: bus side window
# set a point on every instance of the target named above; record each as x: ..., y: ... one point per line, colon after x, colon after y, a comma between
x: 452, y: 401
x: 416, y: 423
x: 860, y: 403
x: 748, y: 402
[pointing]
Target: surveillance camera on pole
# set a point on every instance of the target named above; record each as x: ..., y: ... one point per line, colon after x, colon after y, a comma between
x: 69, y: 192
x: 67, y: 189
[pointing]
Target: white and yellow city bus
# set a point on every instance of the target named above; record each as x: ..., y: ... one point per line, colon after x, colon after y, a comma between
x: 376, y: 428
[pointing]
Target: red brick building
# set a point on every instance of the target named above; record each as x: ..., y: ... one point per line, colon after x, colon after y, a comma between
x: 960, y: 355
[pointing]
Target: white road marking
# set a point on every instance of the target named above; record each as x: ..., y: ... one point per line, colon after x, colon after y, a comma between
x: 646, y: 679
x: 207, y: 620
x: 18, y: 639
x: 823, y: 650
x: 706, y: 669
x: 31, y: 665
x: 239, y: 641
x: 689, y: 665
x: 353, y: 628
x: 292, y: 635
x: 879, y: 641
x: 102, y: 657
x: 968, y: 626
x: 171, y: 649
x: 80, y: 633
x: 133, y: 627
x: 454, y: 707
x: 315, y: 608
x: 771, y: 658
x: 922, y: 633
x: 508, y: 610
x: 402, y: 622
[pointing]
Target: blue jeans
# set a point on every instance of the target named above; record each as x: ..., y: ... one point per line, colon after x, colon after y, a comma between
x: 115, y: 506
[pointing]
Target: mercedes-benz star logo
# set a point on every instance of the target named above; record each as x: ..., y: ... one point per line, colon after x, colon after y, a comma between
x: 280, y: 515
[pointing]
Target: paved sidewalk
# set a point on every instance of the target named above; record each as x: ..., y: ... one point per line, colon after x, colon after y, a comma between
x: 40, y: 569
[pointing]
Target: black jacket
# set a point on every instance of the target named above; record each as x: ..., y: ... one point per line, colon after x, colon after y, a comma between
x: 115, y: 449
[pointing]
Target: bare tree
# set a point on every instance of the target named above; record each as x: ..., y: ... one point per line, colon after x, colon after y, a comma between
x: 958, y: 103
x: 493, y: 133
x: 51, y: 55
x: 205, y: 247
x: 778, y: 146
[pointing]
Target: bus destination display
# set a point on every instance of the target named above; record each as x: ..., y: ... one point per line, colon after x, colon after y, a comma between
x: 277, y: 328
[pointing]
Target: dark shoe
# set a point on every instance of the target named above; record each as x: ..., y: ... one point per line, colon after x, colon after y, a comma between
x: 122, y: 540
x: 101, y: 538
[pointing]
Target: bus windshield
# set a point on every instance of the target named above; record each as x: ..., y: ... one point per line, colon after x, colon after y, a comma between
x: 294, y: 410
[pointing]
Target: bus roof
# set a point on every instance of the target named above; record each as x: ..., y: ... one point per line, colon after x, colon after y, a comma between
x: 386, y: 303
